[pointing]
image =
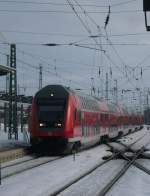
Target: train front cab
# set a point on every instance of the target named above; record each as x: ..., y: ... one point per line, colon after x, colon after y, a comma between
x: 52, y: 117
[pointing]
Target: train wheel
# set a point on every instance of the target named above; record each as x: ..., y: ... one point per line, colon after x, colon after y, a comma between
x: 130, y: 131
x: 104, y: 139
x: 120, y: 134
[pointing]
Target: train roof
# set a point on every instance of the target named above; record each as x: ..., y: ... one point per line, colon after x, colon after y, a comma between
x: 53, y: 91
x: 87, y: 101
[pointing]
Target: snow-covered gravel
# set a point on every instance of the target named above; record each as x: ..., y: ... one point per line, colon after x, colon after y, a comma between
x: 44, y: 180
x: 49, y: 177
x: 25, y: 165
x: 93, y: 183
x: 134, y: 183
x: 129, y: 139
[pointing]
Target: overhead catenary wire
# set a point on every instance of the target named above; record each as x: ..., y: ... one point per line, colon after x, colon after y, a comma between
x: 90, y: 32
x: 46, y: 3
x: 45, y: 70
x: 37, y: 11
x: 73, y: 43
x: 106, y: 39
x: 103, y: 44
x: 123, y: 3
x: 90, y: 48
x: 87, y: 28
x: 73, y: 35
x: 62, y: 4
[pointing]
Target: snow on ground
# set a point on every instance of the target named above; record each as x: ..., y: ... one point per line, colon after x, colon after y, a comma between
x: 14, y: 169
x: 134, y: 183
x: 144, y: 162
x: 4, y: 142
x: 49, y: 177
x: 144, y: 134
x: 90, y: 185
x: 46, y: 179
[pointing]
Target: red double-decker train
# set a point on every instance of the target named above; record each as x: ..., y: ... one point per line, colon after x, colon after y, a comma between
x: 65, y: 119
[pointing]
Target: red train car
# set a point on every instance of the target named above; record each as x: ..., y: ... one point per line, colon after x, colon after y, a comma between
x: 63, y: 118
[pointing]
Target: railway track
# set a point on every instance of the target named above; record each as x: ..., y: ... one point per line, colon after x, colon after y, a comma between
x: 130, y: 161
x: 30, y: 163
x: 120, y: 173
x: 127, y: 163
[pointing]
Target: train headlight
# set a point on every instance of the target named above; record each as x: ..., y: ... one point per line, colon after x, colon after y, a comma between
x: 59, y: 124
x: 41, y: 125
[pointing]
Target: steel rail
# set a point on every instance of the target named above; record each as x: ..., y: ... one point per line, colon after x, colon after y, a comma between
x: 139, y: 166
x: 21, y: 162
x: 61, y: 189
x: 120, y: 174
x: 128, y: 147
x: 81, y: 176
x: 29, y: 167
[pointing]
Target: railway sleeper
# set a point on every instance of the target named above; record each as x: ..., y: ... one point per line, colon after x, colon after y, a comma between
x: 128, y: 155
x: 104, y: 139
x: 119, y: 174
x: 139, y: 166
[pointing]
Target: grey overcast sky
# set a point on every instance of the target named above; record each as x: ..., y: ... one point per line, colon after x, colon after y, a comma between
x: 86, y: 51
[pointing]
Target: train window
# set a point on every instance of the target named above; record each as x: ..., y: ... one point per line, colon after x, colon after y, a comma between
x: 106, y: 117
x: 51, y: 112
x: 82, y: 130
x: 89, y: 105
x: 87, y: 131
x: 51, y: 108
x: 75, y: 114
x: 79, y: 115
x: 85, y: 104
x: 101, y: 117
x: 82, y: 102
x: 92, y: 105
x: 94, y: 130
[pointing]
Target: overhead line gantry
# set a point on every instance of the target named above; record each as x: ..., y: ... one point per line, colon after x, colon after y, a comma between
x: 11, y: 71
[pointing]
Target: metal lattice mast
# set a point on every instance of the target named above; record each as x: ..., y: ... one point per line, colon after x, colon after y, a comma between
x: 7, y: 77
x: 13, y: 129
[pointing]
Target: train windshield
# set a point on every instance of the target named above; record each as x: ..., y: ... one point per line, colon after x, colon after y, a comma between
x: 51, y: 113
